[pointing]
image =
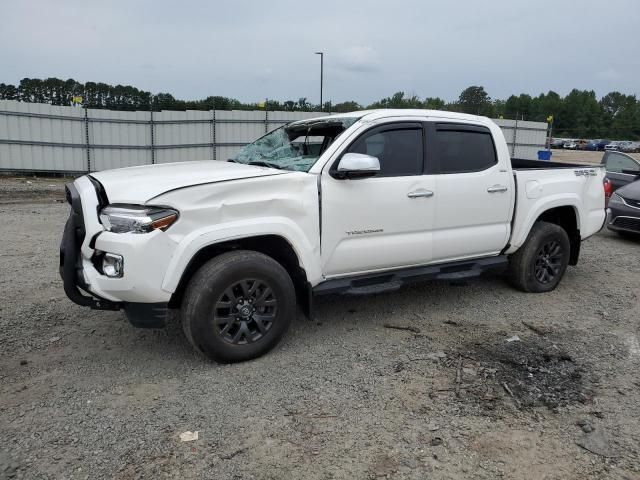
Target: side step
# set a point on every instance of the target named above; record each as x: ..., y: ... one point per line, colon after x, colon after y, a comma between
x: 393, y: 280
x: 376, y: 288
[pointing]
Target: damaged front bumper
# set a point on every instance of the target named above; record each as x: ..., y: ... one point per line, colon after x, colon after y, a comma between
x: 71, y: 260
x: 86, y: 286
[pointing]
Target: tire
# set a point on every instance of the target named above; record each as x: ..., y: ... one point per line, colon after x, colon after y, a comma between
x: 238, y: 306
x: 539, y: 264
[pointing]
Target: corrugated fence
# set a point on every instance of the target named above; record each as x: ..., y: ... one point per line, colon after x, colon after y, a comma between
x: 45, y: 138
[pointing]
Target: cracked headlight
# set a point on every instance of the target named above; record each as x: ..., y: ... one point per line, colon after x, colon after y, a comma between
x: 136, y: 218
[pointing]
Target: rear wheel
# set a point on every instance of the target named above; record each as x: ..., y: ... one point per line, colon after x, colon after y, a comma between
x: 539, y: 264
x: 238, y: 306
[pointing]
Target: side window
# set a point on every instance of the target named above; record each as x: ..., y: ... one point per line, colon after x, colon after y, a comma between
x: 464, y: 150
x: 399, y: 150
x: 616, y: 162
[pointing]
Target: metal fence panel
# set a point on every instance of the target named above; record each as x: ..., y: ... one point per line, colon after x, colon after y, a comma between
x: 35, y: 136
x: 39, y: 137
x: 171, y: 155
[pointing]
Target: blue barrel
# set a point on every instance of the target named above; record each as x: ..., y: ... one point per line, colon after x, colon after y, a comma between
x: 544, y: 155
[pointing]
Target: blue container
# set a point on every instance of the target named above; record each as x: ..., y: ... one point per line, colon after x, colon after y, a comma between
x: 544, y: 155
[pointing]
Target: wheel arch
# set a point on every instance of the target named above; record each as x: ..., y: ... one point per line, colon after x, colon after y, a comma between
x: 272, y: 245
x: 566, y: 217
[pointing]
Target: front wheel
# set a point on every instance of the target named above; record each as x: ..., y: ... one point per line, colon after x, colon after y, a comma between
x: 238, y: 306
x: 539, y: 264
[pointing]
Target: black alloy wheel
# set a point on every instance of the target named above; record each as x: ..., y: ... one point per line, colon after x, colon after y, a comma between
x: 245, y: 311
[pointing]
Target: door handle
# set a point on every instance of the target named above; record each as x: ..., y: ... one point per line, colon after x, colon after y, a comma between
x: 420, y: 193
x: 497, y: 189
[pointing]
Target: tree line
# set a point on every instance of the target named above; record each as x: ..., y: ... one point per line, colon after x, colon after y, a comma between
x: 580, y: 114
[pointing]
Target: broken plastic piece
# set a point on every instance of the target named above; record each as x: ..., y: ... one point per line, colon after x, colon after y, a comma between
x: 189, y: 436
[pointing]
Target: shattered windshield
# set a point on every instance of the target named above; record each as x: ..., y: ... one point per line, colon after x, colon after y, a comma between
x: 296, y: 146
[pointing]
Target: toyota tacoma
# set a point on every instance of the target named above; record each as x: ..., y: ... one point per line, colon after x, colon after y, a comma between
x: 351, y: 203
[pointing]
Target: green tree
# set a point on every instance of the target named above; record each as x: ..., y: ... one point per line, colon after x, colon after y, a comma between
x: 345, y: 107
x: 475, y: 100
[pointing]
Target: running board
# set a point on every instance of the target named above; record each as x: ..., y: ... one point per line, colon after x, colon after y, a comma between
x: 393, y: 280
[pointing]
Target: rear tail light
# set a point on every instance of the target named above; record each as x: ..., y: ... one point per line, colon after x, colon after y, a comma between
x: 608, y: 188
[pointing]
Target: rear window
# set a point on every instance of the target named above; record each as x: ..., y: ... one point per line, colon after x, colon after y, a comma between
x: 467, y: 149
x: 617, y: 162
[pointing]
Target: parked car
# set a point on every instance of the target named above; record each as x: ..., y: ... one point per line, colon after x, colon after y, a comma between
x: 621, y: 168
x: 623, y: 214
x: 597, y: 145
x: 614, y: 146
x: 557, y: 142
x: 630, y: 147
x: 393, y: 196
x: 570, y: 145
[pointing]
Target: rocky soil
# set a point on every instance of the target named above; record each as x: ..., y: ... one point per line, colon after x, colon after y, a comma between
x: 488, y: 383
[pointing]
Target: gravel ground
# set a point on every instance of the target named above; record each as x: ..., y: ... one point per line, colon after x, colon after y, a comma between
x: 85, y: 395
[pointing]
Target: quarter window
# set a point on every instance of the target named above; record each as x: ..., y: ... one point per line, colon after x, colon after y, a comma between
x: 617, y: 162
x: 399, y: 151
x: 462, y: 150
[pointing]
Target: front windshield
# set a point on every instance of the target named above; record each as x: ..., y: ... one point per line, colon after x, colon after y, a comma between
x: 296, y: 146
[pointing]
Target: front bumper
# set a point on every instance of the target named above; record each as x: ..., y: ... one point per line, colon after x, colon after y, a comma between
x: 70, y: 257
x: 623, y: 218
x: 139, y: 291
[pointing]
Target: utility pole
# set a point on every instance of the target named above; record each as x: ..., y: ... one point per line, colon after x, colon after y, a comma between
x: 321, y: 75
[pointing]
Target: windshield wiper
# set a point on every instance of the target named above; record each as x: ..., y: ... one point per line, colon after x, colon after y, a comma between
x: 261, y: 163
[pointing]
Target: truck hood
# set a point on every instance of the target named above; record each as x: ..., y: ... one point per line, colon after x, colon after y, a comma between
x: 138, y: 185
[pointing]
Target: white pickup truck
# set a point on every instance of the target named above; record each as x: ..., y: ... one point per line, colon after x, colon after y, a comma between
x: 352, y: 203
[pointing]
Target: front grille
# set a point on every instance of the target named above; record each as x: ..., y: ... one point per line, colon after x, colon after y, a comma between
x: 632, y: 203
x: 627, y: 223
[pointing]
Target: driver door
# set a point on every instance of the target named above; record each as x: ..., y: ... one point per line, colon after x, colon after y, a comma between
x: 384, y: 221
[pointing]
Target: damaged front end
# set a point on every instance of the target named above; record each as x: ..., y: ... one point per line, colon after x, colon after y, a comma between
x: 71, y: 258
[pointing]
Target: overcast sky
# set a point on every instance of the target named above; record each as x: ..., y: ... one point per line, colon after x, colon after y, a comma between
x: 253, y: 50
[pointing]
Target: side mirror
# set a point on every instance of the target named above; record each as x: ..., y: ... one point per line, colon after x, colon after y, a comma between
x: 356, y: 165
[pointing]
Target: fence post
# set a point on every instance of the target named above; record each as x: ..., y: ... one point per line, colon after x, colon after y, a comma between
x: 266, y: 118
x: 86, y: 138
x: 213, y: 132
x: 153, y: 151
x: 515, y: 137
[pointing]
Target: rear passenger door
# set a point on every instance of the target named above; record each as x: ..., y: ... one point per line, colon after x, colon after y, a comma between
x: 473, y: 192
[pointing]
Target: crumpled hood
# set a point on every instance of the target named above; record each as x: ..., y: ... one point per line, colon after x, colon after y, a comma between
x: 138, y: 185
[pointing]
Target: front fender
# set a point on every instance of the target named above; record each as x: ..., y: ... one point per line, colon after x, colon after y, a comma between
x: 307, y: 251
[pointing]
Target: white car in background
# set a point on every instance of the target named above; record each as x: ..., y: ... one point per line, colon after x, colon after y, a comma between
x: 615, y: 145
x: 631, y: 147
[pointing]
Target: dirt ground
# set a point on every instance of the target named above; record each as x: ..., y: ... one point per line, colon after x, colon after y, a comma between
x: 491, y: 383
x: 573, y: 156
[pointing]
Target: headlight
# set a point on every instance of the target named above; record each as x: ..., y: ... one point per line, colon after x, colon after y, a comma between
x: 136, y: 219
x: 615, y: 198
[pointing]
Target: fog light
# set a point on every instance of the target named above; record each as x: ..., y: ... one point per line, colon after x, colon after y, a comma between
x: 113, y: 265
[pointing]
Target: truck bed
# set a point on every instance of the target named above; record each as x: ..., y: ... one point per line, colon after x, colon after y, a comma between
x: 539, y: 185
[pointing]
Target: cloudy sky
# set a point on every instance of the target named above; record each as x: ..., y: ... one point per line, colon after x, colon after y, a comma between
x: 253, y: 50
